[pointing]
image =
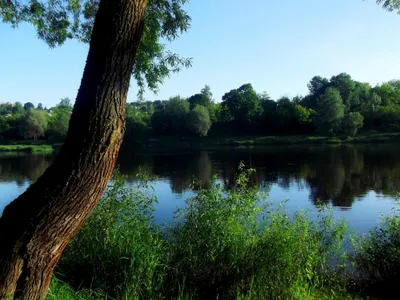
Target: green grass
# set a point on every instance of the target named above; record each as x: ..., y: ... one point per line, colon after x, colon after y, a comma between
x: 26, y: 148
x: 225, y: 244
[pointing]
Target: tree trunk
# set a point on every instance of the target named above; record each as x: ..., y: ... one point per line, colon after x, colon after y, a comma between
x: 36, y: 227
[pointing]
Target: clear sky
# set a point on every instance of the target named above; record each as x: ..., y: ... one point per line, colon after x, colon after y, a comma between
x: 278, y: 46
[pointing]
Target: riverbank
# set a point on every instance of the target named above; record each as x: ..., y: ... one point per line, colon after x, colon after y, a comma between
x: 27, y: 148
x: 170, y: 142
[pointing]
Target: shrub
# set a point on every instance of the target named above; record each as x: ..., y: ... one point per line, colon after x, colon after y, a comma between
x: 117, y: 251
x: 225, y: 244
x: 377, y: 256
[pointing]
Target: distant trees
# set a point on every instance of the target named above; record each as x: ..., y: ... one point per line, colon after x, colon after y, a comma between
x: 243, y: 103
x: 176, y: 111
x: 18, y: 109
x: 34, y: 125
x: 303, y: 114
x: 28, y: 106
x: 65, y: 103
x: 204, y: 98
x: 6, y: 109
x: 335, y: 106
x: 180, y: 116
x: 171, y: 120
x: 25, y: 122
x: 198, y: 121
x: 330, y: 112
x: 59, y: 121
x: 351, y: 123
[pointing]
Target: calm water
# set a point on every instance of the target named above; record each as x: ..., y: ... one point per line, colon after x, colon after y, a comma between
x: 360, y: 182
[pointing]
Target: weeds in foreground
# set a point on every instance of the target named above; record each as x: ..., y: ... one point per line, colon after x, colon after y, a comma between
x: 377, y: 257
x: 226, y: 244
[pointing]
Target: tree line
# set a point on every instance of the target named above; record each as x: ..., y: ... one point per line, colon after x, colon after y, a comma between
x: 27, y: 122
x: 339, y: 106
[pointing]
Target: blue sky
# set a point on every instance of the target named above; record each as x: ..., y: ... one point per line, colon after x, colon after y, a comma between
x: 275, y: 45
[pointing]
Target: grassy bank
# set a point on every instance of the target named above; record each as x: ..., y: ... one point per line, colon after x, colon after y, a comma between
x: 27, y: 148
x: 226, y: 244
x: 175, y: 143
x: 169, y: 142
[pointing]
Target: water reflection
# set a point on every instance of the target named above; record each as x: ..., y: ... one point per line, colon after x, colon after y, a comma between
x: 21, y: 168
x: 335, y: 174
x: 339, y: 175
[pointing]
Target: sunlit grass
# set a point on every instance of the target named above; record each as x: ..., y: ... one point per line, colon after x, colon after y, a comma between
x: 26, y: 148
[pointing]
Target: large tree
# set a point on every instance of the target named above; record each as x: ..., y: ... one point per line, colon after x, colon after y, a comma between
x: 198, y: 121
x: 35, y: 124
x: 330, y: 111
x: 36, y: 227
x: 243, y: 103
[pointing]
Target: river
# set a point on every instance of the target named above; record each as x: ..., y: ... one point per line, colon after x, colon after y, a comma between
x: 359, y: 182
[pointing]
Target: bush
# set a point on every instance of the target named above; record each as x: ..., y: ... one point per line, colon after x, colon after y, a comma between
x: 226, y: 244
x: 117, y: 251
x: 377, y: 256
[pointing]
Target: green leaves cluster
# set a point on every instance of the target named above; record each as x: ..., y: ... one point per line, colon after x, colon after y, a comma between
x: 179, y: 116
x: 56, y: 21
x: 243, y: 103
x: 390, y: 5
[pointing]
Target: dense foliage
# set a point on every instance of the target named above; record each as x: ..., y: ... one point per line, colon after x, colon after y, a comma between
x: 58, y: 21
x: 217, y: 248
x: 19, y: 122
x: 377, y: 257
x: 340, y: 106
x: 225, y: 244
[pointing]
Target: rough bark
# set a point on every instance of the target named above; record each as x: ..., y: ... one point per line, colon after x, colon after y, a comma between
x: 36, y: 227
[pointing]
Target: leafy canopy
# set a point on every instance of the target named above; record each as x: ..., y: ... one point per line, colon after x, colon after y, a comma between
x: 390, y: 5
x: 243, y: 103
x: 56, y: 21
x: 330, y: 111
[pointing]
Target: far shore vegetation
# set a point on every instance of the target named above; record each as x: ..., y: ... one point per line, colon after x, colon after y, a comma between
x: 336, y: 110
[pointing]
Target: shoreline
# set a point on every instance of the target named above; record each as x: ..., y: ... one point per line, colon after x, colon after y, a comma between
x: 44, y: 148
x: 171, y: 142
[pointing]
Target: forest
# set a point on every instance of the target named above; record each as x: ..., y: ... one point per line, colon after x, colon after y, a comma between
x: 339, y: 106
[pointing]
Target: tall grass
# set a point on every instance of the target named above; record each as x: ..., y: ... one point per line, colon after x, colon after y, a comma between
x: 377, y: 257
x: 225, y: 244
x: 118, y: 251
